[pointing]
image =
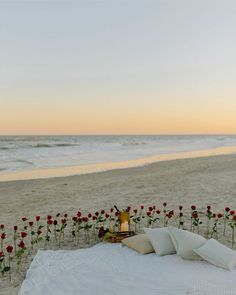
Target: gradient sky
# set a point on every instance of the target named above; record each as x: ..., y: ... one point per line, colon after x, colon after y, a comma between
x: 117, y: 67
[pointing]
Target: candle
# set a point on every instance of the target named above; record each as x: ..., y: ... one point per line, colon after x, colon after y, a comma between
x: 124, y: 226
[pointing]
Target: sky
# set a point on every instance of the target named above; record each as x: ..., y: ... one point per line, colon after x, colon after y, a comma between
x: 118, y: 67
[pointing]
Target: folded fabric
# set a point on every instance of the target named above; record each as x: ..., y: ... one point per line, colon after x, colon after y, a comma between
x: 160, y: 240
x: 185, y: 242
x: 139, y: 243
x: 217, y: 254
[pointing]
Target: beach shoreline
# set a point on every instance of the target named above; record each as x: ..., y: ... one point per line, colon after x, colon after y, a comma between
x: 199, y: 181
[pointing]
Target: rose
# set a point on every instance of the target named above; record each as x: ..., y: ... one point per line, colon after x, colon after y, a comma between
x: 193, y: 207
x: 37, y: 218
x: 23, y: 234
x: 107, y: 215
x: 2, y: 226
x: 150, y: 209
x: 148, y: 213
x: 39, y: 232
x: 219, y: 215
x: 23, y: 219
x: 102, y: 211
x: 181, y: 214
x: 195, y: 215
x: 3, y: 236
x: 96, y: 213
x: 63, y: 221
x: 21, y: 245
x: 232, y: 212
x: 79, y: 214
x: 135, y: 211
x: 49, y: 221
x: 227, y: 209
x: 9, y: 249
x: 85, y: 219
x: 31, y: 223
x: 15, y: 227
x: 74, y: 218
x: 65, y: 215
x: 128, y: 209
x: 49, y: 217
x: 164, y: 204
x: 58, y: 214
x: 111, y: 210
x: 89, y: 215
x: 142, y: 207
x: 55, y: 222
x: 1, y: 254
x: 158, y: 212
x: 180, y: 208
x: 208, y: 207
x: 94, y: 217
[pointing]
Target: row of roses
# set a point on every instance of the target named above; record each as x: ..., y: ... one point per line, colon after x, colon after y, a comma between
x: 31, y: 233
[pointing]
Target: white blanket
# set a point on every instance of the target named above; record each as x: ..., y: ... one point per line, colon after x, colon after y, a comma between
x: 111, y: 269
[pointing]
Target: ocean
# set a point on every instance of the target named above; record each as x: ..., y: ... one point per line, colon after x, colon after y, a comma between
x: 30, y: 153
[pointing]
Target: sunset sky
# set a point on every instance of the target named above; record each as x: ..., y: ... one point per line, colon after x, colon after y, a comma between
x: 118, y: 67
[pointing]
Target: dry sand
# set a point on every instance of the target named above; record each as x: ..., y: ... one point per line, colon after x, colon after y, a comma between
x: 199, y: 181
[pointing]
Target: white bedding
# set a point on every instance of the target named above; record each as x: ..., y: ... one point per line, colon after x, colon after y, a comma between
x: 112, y: 269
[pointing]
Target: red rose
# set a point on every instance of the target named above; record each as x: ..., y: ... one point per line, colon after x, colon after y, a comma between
x: 195, y: 215
x: 58, y: 214
x: 63, y: 221
x: 158, y: 212
x: 39, y: 232
x: 219, y: 215
x: 65, y: 215
x: 181, y: 214
x: 135, y: 211
x: 1, y: 254
x: 227, y: 209
x: 3, y: 236
x: 171, y: 212
x: 85, y: 219
x: 55, y: 222
x: 15, y: 227
x: 180, y: 208
x: 9, y: 249
x: 154, y: 207
x: 234, y: 217
x: 94, y: 217
x: 21, y: 245
x: 112, y: 209
x: 24, y: 219
x: 96, y: 213
x: 50, y: 221
x: 31, y: 223
x: 128, y: 208
x: 102, y: 211
x: 208, y: 207
x: 150, y: 209
x: 49, y: 217
x: 23, y: 234
x: 148, y: 213
x: 107, y: 215
x: 232, y: 212
x: 142, y: 207
x: 79, y: 214
x: 74, y: 218
x: 164, y: 204
x: 37, y: 218
x: 89, y: 215
x: 193, y: 207
x: 2, y: 226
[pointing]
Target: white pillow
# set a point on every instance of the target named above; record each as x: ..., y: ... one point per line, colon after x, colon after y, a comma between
x: 139, y: 243
x: 217, y: 254
x: 185, y: 242
x: 160, y: 240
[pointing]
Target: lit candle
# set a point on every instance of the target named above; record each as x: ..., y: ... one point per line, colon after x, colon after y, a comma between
x: 124, y: 226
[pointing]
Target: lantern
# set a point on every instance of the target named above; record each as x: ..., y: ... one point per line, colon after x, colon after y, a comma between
x: 124, y: 221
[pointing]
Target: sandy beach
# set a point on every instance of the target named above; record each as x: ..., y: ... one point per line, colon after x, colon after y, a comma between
x: 199, y: 181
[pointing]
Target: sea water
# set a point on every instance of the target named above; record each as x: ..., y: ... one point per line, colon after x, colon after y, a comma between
x: 32, y: 153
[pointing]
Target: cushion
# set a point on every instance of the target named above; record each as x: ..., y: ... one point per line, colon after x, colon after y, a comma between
x: 185, y: 242
x: 160, y: 240
x: 139, y: 243
x: 217, y: 254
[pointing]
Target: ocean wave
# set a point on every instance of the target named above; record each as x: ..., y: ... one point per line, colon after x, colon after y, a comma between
x: 46, y: 145
x: 24, y: 161
x: 133, y: 143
